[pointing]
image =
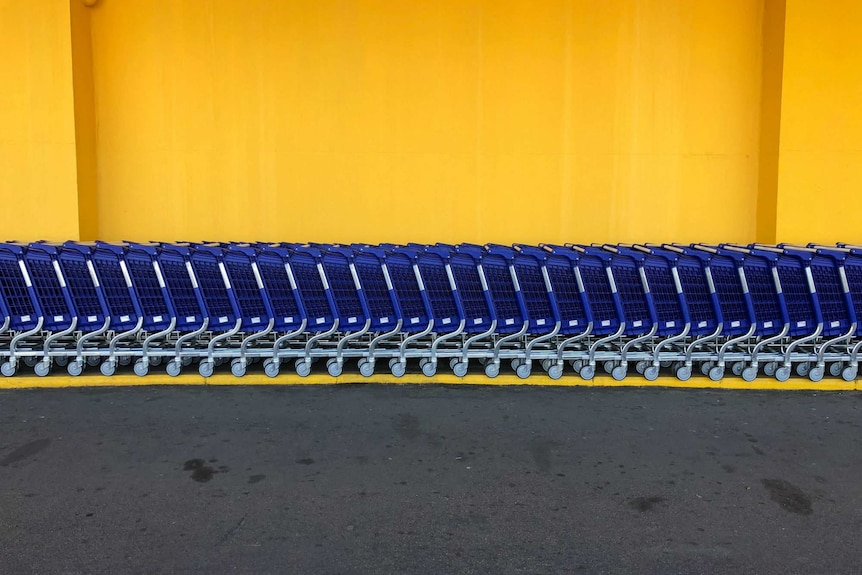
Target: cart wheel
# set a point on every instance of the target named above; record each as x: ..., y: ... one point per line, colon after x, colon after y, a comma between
x: 237, y: 368
x: 848, y: 374
x: 547, y: 363
x: 93, y: 360
x: 802, y: 369
x: 271, y: 368
x: 836, y: 368
x: 42, y: 368
x: 577, y: 365
x: 683, y: 373
x: 429, y: 369
x: 7, y: 369
x: 333, y: 367
x: 423, y: 361
x: 75, y: 368
x: 782, y: 373
x: 303, y: 368
x: 31, y: 361
x: 62, y: 361
x: 516, y: 363
x: 666, y: 364
x: 141, y: 367
x: 816, y: 373
x: 609, y: 366
x: 453, y: 361
x: 770, y: 368
x: 705, y: 367
x: 186, y: 361
x: 460, y: 368
x: 156, y: 360
x: 749, y: 373
x: 716, y: 373
x: 174, y: 367
x: 366, y: 368
x: 124, y: 360
x: 392, y: 362
x: 737, y: 368
x: 108, y: 368
x: 524, y: 370
x: 492, y: 369
x: 206, y: 367
x: 651, y: 373
x: 641, y: 366
x: 555, y: 371
x: 619, y: 372
x: 398, y: 369
x: 588, y: 372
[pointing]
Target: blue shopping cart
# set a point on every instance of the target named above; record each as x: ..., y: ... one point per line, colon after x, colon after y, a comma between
x: 23, y: 311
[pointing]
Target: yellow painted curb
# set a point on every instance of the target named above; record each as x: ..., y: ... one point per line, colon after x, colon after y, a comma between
x: 29, y: 381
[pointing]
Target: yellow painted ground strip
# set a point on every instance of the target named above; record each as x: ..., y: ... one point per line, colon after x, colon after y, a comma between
x: 27, y: 381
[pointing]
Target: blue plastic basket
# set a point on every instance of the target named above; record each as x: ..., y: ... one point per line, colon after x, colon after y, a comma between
x: 84, y: 287
x: 475, y: 298
x: 791, y: 268
x: 119, y: 293
x: 601, y: 296
x: 248, y: 288
x: 442, y: 299
x: 16, y: 289
x: 215, y: 288
x: 508, y: 305
x: 379, y: 293
x: 667, y: 302
x: 182, y: 287
x: 410, y: 298
x: 348, y: 296
x: 281, y: 289
x: 539, y: 297
x: 153, y: 298
x: 561, y: 264
x: 54, y: 296
x: 316, y: 299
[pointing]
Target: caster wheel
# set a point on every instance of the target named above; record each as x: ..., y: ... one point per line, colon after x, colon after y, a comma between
x: 749, y: 373
x: 270, y: 369
x: 237, y: 368
x: 423, y: 361
x: 366, y: 368
x: 836, y: 368
x: 429, y: 369
x: 555, y: 371
x: 802, y: 369
x: 641, y: 366
x: 392, y: 362
x: 62, y: 361
x: 141, y: 367
x: 156, y: 360
x: 737, y: 368
x: 816, y: 373
x: 31, y: 361
x: 516, y: 363
x: 398, y: 369
x: 186, y: 361
x: 651, y: 373
x: 770, y: 368
x: 42, y: 369
x: 666, y: 364
x: 492, y: 369
x: 303, y: 368
x: 75, y: 368
x: 848, y: 374
x: 206, y: 368
x: 453, y: 362
x: 108, y: 368
x: 782, y: 373
x: 684, y: 373
x: 716, y: 373
x: 7, y: 369
x: 577, y: 365
x: 524, y: 370
x: 124, y: 360
x: 609, y: 366
x: 93, y: 360
x: 460, y: 369
x: 619, y: 372
x: 547, y: 363
x: 174, y: 367
x: 588, y: 372
x: 334, y: 368
x: 706, y: 367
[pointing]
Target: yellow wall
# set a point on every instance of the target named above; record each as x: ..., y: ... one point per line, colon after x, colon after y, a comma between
x: 427, y: 120
x: 38, y: 187
x: 820, y: 174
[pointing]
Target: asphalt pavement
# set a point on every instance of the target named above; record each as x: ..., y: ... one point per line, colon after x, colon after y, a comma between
x: 356, y: 479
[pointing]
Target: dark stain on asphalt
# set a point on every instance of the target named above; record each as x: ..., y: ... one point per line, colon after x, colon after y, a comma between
x: 644, y: 504
x: 26, y: 451
x: 256, y: 478
x: 407, y: 426
x: 201, y: 472
x: 305, y: 461
x: 788, y: 496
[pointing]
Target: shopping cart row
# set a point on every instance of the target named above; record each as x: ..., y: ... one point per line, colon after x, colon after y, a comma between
x: 743, y: 308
